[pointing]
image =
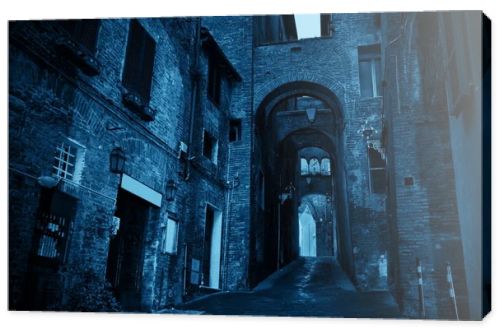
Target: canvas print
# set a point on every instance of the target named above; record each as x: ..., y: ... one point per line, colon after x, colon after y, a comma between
x: 323, y: 165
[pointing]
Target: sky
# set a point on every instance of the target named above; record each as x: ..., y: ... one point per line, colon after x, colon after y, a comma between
x: 308, y: 25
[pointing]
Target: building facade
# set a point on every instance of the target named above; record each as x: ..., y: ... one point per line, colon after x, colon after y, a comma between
x: 155, y: 161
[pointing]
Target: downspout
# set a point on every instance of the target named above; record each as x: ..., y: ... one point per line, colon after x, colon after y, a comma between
x: 195, y: 78
x: 251, y: 180
x: 229, y: 190
x: 392, y: 202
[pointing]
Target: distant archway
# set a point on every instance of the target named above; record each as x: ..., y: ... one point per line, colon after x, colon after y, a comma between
x: 307, y: 232
x: 294, y: 117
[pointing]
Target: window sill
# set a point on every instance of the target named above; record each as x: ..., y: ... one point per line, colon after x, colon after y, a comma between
x: 370, y: 98
x: 168, y: 254
x: 137, y: 104
x: 78, y: 55
x: 70, y: 188
x: 209, y: 162
x: 213, y: 102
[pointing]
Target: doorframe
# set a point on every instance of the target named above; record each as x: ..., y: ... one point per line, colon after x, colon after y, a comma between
x: 141, y: 254
x: 214, y: 209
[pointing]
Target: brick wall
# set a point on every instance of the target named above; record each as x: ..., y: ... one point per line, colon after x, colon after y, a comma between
x: 51, y: 100
x: 419, y: 148
x: 333, y: 64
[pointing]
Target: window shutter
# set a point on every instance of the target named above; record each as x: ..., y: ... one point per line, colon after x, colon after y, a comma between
x: 149, y: 47
x: 84, y: 32
x: 132, y: 58
x: 89, y: 30
x: 139, y: 61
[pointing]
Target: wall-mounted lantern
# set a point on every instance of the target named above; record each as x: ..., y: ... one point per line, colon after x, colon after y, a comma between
x: 117, y: 160
x: 171, y: 190
x: 288, y: 193
x: 368, y: 132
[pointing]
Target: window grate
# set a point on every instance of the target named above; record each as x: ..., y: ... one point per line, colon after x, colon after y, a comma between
x: 52, y: 234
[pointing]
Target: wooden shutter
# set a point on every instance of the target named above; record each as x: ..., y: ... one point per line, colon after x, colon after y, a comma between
x: 139, y: 61
x: 84, y: 32
x: 88, y: 33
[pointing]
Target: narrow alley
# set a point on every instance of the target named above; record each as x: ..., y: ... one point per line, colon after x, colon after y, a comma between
x: 309, y: 286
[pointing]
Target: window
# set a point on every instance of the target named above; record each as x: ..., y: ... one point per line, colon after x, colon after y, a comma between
x: 56, y: 213
x: 326, y: 25
x: 369, y: 70
x: 234, y: 130
x: 376, y: 162
x: 210, y: 147
x: 139, y: 62
x: 325, y: 166
x: 304, y: 167
x: 214, y: 80
x: 64, y: 162
x: 84, y: 32
x: 170, y: 237
x: 261, y: 199
x: 195, y: 272
x: 408, y: 181
x: 314, y: 166
x: 68, y: 161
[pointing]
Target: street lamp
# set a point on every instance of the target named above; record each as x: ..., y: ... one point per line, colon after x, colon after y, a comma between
x: 288, y: 193
x: 48, y: 182
x: 117, y: 160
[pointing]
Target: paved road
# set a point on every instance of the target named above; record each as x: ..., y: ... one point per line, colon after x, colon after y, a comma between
x: 307, y: 287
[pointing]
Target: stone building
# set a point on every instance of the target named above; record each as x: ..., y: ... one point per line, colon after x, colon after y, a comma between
x: 166, y: 159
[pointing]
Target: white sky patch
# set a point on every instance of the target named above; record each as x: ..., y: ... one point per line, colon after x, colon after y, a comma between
x: 308, y: 25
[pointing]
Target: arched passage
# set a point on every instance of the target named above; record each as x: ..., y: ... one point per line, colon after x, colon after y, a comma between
x: 298, y: 121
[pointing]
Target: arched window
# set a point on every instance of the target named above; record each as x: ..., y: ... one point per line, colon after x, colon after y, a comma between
x: 325, y: 166
x: 314, y: 166
x: 304, y: 167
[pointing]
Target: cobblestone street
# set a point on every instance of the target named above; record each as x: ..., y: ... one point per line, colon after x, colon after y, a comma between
x: 307, y: 287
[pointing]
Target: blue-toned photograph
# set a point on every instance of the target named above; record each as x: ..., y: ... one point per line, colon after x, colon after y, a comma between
x: 316, y: 165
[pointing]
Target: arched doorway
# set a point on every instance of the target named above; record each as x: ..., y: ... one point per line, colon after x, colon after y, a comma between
x: 307, y: 232
x: 317, y: 226
x: 297, y: 124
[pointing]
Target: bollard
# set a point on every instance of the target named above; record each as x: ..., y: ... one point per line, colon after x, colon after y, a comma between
x: 451, y: 288
x: 420, y: 288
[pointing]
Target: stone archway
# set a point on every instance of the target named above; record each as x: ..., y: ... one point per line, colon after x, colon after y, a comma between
x: 294, y: 116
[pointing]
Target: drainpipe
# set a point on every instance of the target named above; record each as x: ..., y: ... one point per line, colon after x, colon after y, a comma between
x: 279, y: 231
x: 392, y: 201
x: 195, y: 78
x: 229, y: 196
